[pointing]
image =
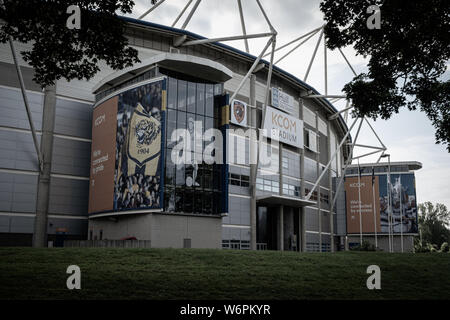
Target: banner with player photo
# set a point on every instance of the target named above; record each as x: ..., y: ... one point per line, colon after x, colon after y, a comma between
x: 403, y: 203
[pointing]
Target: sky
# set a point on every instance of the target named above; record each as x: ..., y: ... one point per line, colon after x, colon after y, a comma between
x: 408, y: 135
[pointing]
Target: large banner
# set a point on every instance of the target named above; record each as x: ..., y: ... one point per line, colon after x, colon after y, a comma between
x: 403, y: 203
x: 103, y: 156
x: 127, y: 144
x: 401, y: 193
x: 369, y: 217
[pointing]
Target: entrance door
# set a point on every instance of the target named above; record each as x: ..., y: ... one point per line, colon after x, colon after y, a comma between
x: 266, y: 228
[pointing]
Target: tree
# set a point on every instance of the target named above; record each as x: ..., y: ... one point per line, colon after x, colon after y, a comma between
x: 434, y: 221
x: 59, y: 52
x: 408, y: 56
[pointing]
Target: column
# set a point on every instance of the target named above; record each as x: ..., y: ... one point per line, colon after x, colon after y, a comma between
x: 280, y: 241
x: 253, y: 167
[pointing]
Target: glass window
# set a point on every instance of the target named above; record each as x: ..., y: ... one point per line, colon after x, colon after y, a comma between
x: 200, y: 98
x: 181, y: 120
x: 193, y: 187
x: 218, y: 89
x: 207, y: 202
x: 188, y: 200
x: 179, y: 200
x: 200, y: 144
x: 169, y: 199
x: 209, y: 123
x: 285, y: 163
x: 309, y: 117
x: 275, y: 186
x: 310, y: 170
x: 209, y: 99
x: 182, y: 92
x: 198, y: 202
x: 207, y: 176
x: 169, y: 171
x: 171, y: 126
x: 191, y: 97
x: 245, y: 181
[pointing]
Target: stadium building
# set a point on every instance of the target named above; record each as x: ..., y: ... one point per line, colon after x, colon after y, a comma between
x: 113, y: 175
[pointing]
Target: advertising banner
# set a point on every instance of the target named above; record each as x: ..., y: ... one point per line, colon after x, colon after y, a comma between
x: 103, y: 150
x: 367, y: 205
x: 401, y: 193
x: 403, y: 203
x: 283, y: 127
x: 282, y: 100
x: 239, y: 113
x: 127, y: 140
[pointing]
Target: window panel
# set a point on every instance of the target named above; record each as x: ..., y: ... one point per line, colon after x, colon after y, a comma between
x: 182, y: 93
x: 309, y: 117
x: 191, y: 97
x: 209, y: 99
x: 197, y: 184
x: 200, y: 98
x: 172, y: 94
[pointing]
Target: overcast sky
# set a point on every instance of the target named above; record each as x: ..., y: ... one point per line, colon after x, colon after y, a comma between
x: 409, y: 135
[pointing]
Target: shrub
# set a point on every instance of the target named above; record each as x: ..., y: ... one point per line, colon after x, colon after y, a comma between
x: 365, y: 246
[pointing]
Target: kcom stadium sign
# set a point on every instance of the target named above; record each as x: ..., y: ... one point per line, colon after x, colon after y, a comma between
x: 283, y: 127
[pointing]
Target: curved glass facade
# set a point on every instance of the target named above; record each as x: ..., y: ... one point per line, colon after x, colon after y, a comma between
x: 193, y: 187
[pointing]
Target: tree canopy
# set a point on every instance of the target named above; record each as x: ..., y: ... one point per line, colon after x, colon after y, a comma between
x: 434, y: 221
x: 59, y: 52
x: 408, y: 56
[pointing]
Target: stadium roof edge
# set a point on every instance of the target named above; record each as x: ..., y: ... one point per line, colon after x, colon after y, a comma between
x: 238, y: 52
x: 412, y: 165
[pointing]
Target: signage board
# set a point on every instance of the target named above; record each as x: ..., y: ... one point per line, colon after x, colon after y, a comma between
x: 280, y: 126
x: 282, y: 101
x: 400, y: 204
x: 239, y: 113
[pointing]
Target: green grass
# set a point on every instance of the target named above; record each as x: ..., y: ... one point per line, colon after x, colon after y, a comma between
x: 27, y: 273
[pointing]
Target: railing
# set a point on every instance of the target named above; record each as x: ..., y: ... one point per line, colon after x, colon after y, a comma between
x: 261, y: 246
x: 107, y: 243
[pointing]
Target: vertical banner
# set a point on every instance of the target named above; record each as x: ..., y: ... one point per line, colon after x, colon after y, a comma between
x: 403, y: 203
x: 353, y: 206
x: 140, y: 126
x: 127, y: 143
x: 103, y: 150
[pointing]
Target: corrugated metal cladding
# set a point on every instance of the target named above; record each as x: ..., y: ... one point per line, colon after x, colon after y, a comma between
x: 72, y: 146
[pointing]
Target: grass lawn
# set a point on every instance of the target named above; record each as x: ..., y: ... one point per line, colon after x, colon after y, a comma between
x: 27, y: 273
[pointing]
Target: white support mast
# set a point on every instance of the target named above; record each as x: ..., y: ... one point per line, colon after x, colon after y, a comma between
x: 244, y: 32
x: 151, y: 9
x: 181, y: 13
